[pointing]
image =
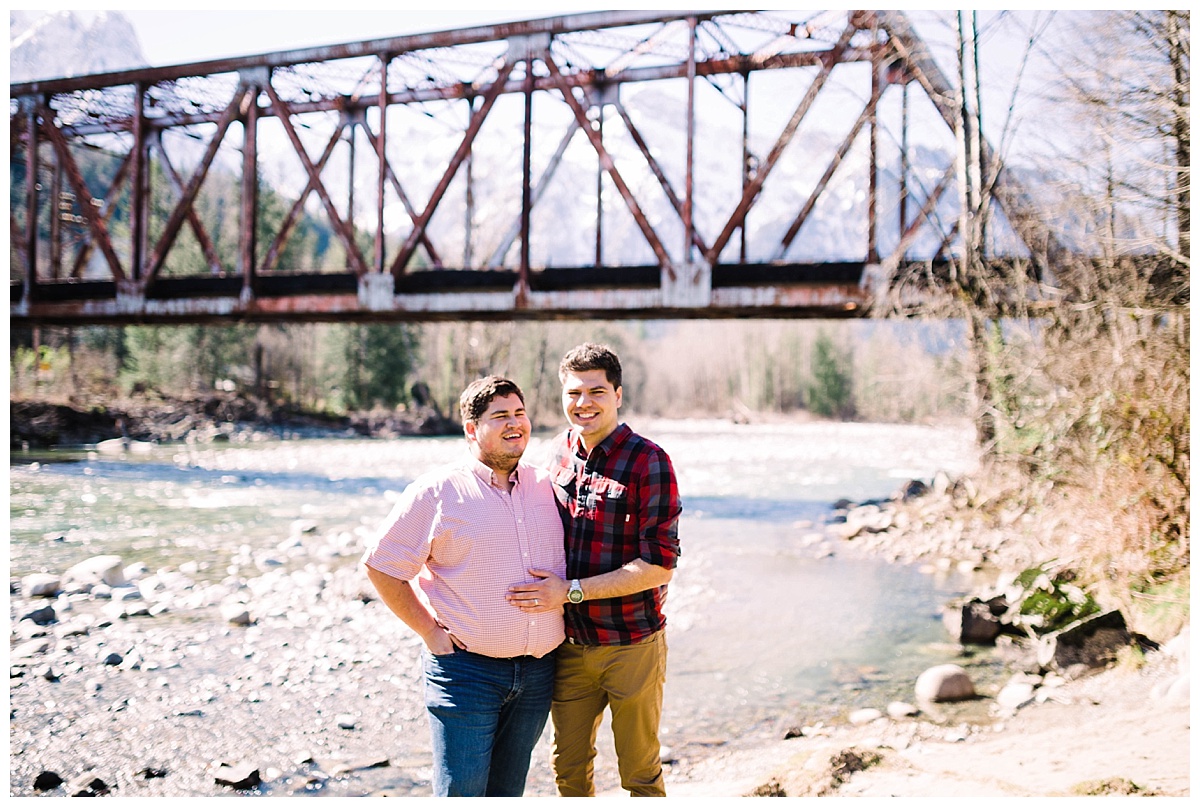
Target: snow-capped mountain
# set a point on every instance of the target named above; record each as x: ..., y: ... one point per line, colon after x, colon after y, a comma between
x: 54, y: 44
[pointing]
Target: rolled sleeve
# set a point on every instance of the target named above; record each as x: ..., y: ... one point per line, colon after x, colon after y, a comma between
x: 658, y: 499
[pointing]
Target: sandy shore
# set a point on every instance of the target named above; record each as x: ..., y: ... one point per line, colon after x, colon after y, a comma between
x: 1117, y: 727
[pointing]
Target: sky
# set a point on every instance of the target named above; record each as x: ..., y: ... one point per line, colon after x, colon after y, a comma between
x: 222, y: 29
x: 218, y: 29
x: 217, y: 32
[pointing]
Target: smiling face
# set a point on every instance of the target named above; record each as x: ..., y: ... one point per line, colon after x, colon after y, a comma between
x: 499, y: 437
x: 590, y: 403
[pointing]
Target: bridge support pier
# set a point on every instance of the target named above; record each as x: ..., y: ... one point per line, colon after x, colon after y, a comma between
x: 691, y: 287
x: 377, y: 291
x: 130, y: 298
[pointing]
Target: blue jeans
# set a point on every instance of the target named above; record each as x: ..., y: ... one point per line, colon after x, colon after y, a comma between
x: 485, y: 715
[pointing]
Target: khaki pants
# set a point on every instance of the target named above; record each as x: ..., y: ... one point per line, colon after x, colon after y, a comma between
x: 629, y: 680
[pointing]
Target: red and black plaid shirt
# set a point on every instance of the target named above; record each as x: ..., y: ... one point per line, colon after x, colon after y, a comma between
x: 623, y: 504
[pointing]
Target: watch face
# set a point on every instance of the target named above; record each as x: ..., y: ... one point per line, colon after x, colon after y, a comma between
x: 575, y: 595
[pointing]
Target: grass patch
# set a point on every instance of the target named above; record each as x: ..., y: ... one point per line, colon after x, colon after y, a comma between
x: 1160, y: 611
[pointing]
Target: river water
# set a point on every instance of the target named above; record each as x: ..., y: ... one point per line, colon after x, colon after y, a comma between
x: 770, y: 620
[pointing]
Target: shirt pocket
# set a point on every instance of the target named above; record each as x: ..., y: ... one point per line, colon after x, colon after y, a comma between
x: 452, y: 542
x: 613, y: 507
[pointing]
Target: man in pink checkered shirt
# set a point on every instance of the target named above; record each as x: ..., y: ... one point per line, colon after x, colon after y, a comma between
x: 443, y: 562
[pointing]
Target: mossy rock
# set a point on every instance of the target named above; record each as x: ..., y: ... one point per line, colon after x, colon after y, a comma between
x: 1050, y: 599
x: 769, y: 788
x: 1114, y: 786
x: 851, y: 761
x: 813, y: 774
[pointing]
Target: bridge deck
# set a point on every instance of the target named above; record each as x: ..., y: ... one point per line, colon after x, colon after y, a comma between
x: 828, y: 290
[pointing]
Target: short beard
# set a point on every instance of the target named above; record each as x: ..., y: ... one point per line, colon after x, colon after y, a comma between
x: 500, y: 463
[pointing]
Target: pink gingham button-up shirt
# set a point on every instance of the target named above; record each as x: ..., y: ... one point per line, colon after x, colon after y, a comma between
x: 466, y: 541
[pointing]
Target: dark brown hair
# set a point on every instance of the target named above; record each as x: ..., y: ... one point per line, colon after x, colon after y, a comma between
x: 590, y: 356
x: 478, y: 395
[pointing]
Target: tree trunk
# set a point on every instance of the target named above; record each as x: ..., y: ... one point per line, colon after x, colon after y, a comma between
x: 985, y: 418
x: 970, y: 278
x: 1182, y: 131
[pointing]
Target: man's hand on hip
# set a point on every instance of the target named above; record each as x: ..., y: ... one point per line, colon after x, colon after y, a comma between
x: 441, y: 642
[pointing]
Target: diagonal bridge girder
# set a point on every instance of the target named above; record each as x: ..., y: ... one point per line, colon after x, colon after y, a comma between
x: 585, y: 70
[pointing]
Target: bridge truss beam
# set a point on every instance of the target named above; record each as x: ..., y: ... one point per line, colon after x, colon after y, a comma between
x: 129, y: 242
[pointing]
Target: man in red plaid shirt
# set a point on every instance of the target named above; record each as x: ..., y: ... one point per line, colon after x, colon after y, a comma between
x: 620, y: 494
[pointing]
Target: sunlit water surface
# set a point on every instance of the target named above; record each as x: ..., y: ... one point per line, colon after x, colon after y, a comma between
x: 765, y: 622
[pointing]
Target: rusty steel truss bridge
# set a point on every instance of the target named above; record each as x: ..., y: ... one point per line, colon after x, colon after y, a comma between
x: 616, y: 164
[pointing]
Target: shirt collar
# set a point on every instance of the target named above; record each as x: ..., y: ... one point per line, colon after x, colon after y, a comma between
x: 607, y: 445
x: 487, y: 474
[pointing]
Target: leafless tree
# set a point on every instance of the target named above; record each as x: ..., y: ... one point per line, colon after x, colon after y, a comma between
x: 1102, y: 413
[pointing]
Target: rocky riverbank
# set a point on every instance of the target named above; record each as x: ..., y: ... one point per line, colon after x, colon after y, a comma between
x: 1092, y: 709
x: 1122, y: 732
x: 282, y: 679
x: 215, y: 417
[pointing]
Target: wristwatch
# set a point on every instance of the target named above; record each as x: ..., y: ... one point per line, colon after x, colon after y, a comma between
x: 575, y: 593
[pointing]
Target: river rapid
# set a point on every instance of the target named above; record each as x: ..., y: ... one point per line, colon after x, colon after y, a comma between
x: 772, y: 623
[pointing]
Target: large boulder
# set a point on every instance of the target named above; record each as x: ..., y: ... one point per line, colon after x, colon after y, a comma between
x: 88, y: 784
x: 46, y: 615
x: 944, y: 683
x: 1020, y: 691
x: 1091, y: 642
x: 913, y: 490
x: 239, y: 776
x: 975, y: 621
x: 47, y: 780
x: 237, y: 613
x: 867, y: 518
x: 108, y: 570
x: 30, y: 649
x: 41, y: 584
